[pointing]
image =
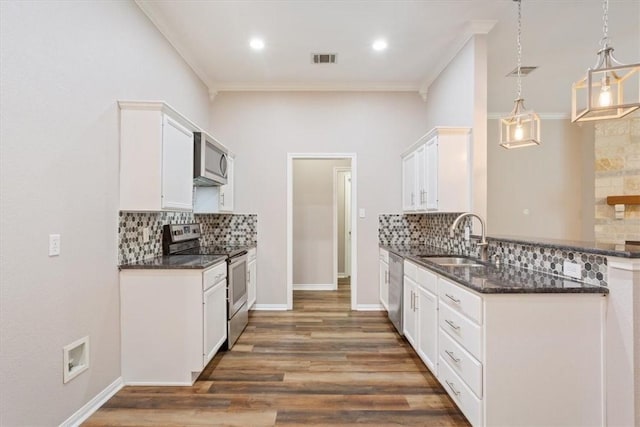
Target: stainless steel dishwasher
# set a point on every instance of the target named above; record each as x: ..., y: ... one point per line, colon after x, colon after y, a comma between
x: 396, y: 273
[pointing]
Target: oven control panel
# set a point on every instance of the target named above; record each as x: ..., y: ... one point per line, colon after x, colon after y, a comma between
x: 183, y: 232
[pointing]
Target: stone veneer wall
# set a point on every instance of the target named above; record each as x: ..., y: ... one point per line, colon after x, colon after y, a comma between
x: 224, y: 229
x: 617, y: 172
x: 433, y: 230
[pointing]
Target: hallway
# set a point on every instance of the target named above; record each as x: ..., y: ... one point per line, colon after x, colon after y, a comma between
x: 320, y: 364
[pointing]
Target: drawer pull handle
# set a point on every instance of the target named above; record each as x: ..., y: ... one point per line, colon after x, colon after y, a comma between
x: 457, y: 301
x: 453, y: 389
x: 452, y: 356
x: 453, y: 325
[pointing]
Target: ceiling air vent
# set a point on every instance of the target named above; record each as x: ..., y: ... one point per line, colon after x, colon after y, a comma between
x: 525, y: 70
x: 323, y: 58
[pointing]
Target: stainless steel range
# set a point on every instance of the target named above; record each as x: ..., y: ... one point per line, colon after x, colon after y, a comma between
x: 183, y: 239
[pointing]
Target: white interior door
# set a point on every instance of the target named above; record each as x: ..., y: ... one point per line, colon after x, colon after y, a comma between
x: 347, y: 223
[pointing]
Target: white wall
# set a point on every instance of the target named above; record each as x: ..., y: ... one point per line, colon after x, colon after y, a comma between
x: 63, y: 65
x: 261, y: 128
x: 458, y: 97
x: 552, y: 181
x: 313, y: 239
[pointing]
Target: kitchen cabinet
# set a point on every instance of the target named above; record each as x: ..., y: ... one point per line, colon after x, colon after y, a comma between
x: 487, y: 349
x: 252, y: 277
x: 384, y: 279
x: 216, y: 199
x: 156, y: 158
x: 173, y: 321
x: 437, y: 172
x: 409, y: 305
x: 421, y: 305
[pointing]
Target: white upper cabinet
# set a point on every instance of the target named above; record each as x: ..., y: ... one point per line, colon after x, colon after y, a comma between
x: 156, y: 158
x: 226, y: 191
x: 436, y: 172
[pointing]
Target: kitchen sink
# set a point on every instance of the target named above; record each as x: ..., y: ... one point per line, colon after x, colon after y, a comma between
x: 454, y: 261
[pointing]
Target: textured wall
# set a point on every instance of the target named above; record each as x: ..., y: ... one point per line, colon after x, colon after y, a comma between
x: 617, y: 166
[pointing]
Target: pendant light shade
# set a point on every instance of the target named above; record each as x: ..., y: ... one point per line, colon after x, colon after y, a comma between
x: 610, y: 89
x: 521, y: 128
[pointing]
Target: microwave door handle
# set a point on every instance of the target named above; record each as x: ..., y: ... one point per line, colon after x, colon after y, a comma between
x: 223, y: 165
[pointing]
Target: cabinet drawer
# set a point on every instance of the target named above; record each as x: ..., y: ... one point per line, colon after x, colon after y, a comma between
x: 461, y: 300
x: 462, y: 330
x: 427, y: 280
x: 384, y: 255
x: 468, y: 403
x: 214, y: 275
x: 411, y: 270
x: 461, y: 362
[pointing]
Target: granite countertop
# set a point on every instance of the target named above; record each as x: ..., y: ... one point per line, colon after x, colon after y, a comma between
x: 171, y: 262
x: 492, y: 279
x: 598, y: 248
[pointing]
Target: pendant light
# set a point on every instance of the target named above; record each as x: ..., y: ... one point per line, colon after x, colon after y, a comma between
x: 610, y: 89
x: 521, y: 128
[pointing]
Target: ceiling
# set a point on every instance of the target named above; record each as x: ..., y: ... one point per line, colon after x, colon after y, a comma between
x: 559, y: 36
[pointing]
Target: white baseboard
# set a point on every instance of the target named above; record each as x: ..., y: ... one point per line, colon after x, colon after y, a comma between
x: 315, y: 287
x: 93, y: 405
x: 159, y: 384
x: 270, y: 307
x: 370, y: 307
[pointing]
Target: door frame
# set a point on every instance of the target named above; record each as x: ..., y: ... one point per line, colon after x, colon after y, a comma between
x: 354, y: 232
x: 337, y: 170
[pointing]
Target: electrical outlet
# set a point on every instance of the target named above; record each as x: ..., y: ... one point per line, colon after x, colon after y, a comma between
x: 54, y: 244
x: 145, y: 234
x: 572, y: 269
x: 467, y: 233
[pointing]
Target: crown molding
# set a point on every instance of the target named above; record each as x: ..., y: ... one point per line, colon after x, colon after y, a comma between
x: 147, y: 7
x: 543, y: 116
x: 316, y: 87
x: 473, y: 27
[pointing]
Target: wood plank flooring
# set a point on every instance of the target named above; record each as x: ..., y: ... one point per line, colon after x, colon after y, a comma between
x: 320, y: 364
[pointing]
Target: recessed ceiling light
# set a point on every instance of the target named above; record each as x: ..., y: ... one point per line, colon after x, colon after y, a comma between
x: 256, y: 44
x: 379, y: 45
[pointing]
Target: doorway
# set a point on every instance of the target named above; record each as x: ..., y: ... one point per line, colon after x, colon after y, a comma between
x: 313, y: 222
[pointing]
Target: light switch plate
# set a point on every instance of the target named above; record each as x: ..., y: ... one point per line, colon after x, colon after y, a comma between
x: 361, y: 212
x: 145, y: 234
x: 572, y: 269
x: 54, y: 244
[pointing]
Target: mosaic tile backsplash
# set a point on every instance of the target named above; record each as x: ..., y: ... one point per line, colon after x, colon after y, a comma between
x: 227, y: 229
x: 433, y: 230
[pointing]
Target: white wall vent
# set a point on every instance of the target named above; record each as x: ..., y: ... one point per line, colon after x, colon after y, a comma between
x: 525, y: 70
x: 324, y: 58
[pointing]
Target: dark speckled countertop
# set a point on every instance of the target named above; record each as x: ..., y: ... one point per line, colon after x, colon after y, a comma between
x: 171, y: 262
x: 491, y: 279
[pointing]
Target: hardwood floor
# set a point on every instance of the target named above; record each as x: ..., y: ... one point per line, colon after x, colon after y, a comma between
x: 320, y: 364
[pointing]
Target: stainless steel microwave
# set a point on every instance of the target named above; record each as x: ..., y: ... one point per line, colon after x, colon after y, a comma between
x: 209, y: 161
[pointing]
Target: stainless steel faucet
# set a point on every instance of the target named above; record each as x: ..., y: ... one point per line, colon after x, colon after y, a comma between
x: 483, y: 245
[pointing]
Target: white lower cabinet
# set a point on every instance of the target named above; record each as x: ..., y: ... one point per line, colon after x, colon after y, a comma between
x: 509, y: 359
x: 172, y: 323
x: 252, y: 277
x: 384, y: 279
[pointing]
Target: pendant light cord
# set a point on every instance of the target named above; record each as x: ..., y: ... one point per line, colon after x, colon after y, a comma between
x: 604, y: 41
x: 520, y: 48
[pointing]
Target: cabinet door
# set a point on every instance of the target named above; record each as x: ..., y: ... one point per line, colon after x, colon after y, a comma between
x: 409, y: 182
x: 431, y: 197
x: 215, y: 319
x: 409, y: 311
x: 251, y: 283
x: 177, y: 166
x: 421, y: 178
x: 428, y: 328
x: 226, y: 191
x: 384, y: 285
